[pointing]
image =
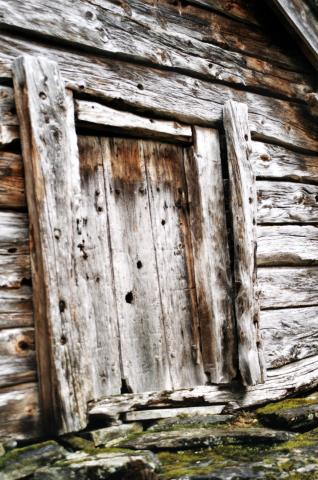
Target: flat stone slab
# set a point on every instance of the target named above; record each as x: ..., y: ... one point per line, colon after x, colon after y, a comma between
x: 110, y: 436
x: 205, y: 437
x: 103, y: 466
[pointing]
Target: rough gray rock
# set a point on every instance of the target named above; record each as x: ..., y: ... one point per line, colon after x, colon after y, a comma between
x: 297, y: 419
x: 204, y: 421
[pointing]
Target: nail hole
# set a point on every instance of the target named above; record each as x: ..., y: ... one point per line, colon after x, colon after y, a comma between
x: 316, y: 198
x: 210, y: 65
x: 117, y: 191
x: 63, y: 340
x: 12, y: 250
x: 42, y: 95
x: 139, y: 264
x: 129, y: 297
x: 246, y: 137
x: 97, y: 280
x: 62, y: 306
x: 89, y: 15
x: 163, y: 222
x: 99, y: 209
x: 23, y: 345
x: 140, y: 86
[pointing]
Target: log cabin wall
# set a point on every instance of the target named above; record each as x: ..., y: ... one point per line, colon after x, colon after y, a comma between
x: 178, y: 60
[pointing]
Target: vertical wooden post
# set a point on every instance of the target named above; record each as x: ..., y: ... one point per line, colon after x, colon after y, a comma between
x: 46, y: 116
x: 243, y: 200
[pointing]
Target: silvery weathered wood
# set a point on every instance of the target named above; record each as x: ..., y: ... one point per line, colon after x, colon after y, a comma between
x: 286, y: 202
x: 96, y: 265
x: 46, y: 117
x: 155, y: 414
x: 211, y: 256
x: 20, y: 417
x: 169, y: 94
x: 145, y: 363
x: 11, y: 181
x: 243, y: 209
x: 102, y: 116
x: 303, y: 22
x: 237, y: 9
x: 16, y: 307
x: 8, y: 115
x: 312, y: 101
x: 14, y: 233
x: 177, y: 44
x: 289, y: 335
x: 278, y: 163
x: 168, y: 203
x: 8, y: 134
x: 14, y: 269
x: 17, y: 356
x: 287, y: 245
x: 298, y: 376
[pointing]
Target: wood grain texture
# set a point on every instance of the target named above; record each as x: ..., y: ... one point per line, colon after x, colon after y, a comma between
x: 8, y: 115
x: 289, y: 335
x: 286, y: 202
x: 51, y: 161
x: 243, y: 208
x: 14, y: 270
x: 168, y: 203
x: 20, y: 412
x: 282, y: 287
x: 211, y: 256
x: 17, y: 356
x: 189, y: 40
x: 14, y: 233
x: 279, y: 245
x: 238, y: 9
x: 158, y: 413
x: 303, y: 23
x: 11, y: 181
x: 16, y: 308
x: 279, y: 163
x: 168, y: 94
x: 8, y: 134
x: 102, y: 116
x: 289, y: 379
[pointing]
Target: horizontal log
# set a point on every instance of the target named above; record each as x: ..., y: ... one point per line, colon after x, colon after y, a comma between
x: 295, y: 377
x: 289, y: 335
x: 16, y: 307
x: 14, y: 269
x: 7, y: 109
x: 11, y: 181
x: 155, y: 414
x: 19, y: 412
x: 275, y: 162
x: 14, y: 233
x: 168, y: 94
x: 238, y: 9
x: 282, y: 287
x: 8, y: 134
x: 17, y: 356
x: 287, y: 245
x: 102, y: 116
x: 286, y: 202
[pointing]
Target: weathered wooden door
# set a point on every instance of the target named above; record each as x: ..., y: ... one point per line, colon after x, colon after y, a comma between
x: 129, y: 251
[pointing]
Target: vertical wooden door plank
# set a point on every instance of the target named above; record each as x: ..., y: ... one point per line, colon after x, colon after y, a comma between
x: 243, y: 205
x: 169, y: 214
x: 96, y: 265
x: 51, y: 164
x: 211, y: 256
x: 143, y: 347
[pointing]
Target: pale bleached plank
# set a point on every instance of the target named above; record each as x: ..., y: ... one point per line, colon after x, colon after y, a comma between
x: 20, y: 412
x: 275, y: 162
x: 243, y: 203
x: 155, y: 414
x: 287, y: 245
x: 14, y: 269
x: 289, y: 335
x: 17, y: 356
x: 102, y: 116
x: 8, y: 115
x: 14, y: 233
x: 11, y: 181
x: 16, y: 308
x: 51, y: 164
x: 282, y: 287
x: 211, y: 256
x: 168, y: 203
x: 145, y: 364
x: 286, y: 202
x: 8, y: 134
x: 295, y: 377
x: 95, y: 264
x: 168, y: 94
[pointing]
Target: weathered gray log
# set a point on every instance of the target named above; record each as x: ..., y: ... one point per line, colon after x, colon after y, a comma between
x: 278, y: 163
x: 211, y: 256
x: 282, y: 287
x: 14, y: 233
x: 19, y: 412
x: 174, y: 42
x: 11, y: 181
x: 169, y: 94
x: 46, y: 117
x: 282, y: 245
x: 312, y: 100
x: 17, y: 356
x: 243, y: 204
x: 298, y: 376
x: 8, y: 115
x: 286, y: 202
x: 157, y: 413
x: 289, y: 335
x: 8, y: 134
x: 16, y: 308
x: 238, y: 9
x: 102, y: 116
x: 14, y: 269
x: 303, y: 22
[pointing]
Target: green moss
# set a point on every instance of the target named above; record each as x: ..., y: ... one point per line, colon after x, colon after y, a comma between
x: 25, y: 454
x: 286, y: 404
